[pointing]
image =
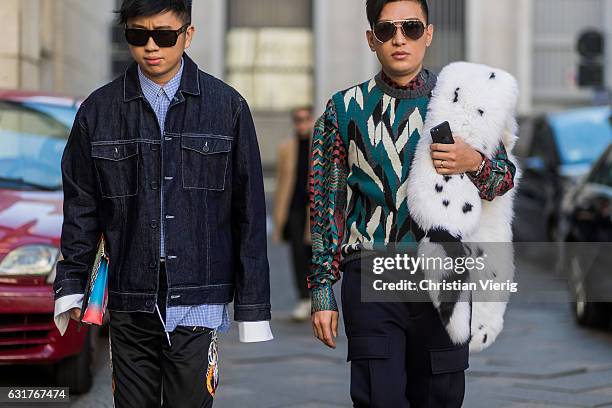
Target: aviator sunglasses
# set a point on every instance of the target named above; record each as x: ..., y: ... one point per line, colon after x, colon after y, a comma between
x: 386, y: 30
x: 163, y: 38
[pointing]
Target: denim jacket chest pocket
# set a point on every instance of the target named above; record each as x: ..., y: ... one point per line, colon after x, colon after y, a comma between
x: 204, y: 161
x: 117, y: 168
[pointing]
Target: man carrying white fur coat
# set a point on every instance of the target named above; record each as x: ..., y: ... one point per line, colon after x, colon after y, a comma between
x: 402, y: 354
x: 479, y: 103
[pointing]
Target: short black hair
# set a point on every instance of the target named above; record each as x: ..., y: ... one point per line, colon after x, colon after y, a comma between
x: 374, y: 8
x: 144, y: 8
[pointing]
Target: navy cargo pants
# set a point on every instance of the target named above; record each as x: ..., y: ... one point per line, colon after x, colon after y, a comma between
x: 400, y: 353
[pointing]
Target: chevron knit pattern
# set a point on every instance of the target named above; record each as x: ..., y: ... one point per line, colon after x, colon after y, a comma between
x: 327, y: 183
x: 363, y: 146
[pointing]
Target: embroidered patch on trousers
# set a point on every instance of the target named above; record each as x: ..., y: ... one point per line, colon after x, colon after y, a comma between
x: 212, y: 373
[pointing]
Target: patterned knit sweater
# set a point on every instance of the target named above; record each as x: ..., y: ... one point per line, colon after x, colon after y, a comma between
x: 362, y: 150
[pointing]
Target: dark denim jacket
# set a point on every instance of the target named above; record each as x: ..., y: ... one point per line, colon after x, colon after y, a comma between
x: 208, y: 165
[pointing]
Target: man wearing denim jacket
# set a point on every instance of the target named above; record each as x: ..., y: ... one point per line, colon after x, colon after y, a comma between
x: 164, y: 163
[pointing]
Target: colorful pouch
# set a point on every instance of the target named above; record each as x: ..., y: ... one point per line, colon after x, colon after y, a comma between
x: 96, y: 292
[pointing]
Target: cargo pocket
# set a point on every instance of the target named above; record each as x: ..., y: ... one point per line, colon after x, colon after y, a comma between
x: 368, y: 347
x: 117, y: 168
x: 448, y: 367
x: 368, y: 375
x: 204, y: 161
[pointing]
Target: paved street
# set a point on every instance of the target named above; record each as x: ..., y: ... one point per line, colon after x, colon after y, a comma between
x: 542, y: 359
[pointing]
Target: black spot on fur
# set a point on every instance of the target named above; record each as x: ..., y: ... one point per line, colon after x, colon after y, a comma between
x: 446, y: 203
x: 442, y: 236
x: 447, y: 178
x: 467, y: 207
x: 439, y: 188
x: 484, y: 339
x: 481, y: 112
x: 480, y: 327
x: 493, y: 76
x: 456, y: 95
x: 446, y: 311
x: 462, y: 175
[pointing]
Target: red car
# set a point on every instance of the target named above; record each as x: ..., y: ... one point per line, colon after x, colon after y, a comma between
x: 34, y: 129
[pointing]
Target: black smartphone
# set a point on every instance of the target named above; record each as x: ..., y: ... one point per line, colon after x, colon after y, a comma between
x: 442, y: 134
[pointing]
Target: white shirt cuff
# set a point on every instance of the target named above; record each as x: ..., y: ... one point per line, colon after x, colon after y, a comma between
x: 63, y: 305
x: 252, y: 332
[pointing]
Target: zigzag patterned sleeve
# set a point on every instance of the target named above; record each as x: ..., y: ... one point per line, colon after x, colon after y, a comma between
x: 497, y: 176
x: 327, y: 181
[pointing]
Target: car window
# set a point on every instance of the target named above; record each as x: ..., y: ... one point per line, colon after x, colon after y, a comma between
x: 582, y: 135
x: 603, y: 173
x: 32, y: 140
x: 542, y: 142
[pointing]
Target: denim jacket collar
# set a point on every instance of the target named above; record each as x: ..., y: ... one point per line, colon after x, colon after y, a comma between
x: 190, y: 83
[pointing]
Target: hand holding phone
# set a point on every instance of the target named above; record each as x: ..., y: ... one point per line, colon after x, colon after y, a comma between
x: 442, y: 134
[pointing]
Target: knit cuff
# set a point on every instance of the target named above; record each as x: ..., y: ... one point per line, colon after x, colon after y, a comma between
x: 323, y: 299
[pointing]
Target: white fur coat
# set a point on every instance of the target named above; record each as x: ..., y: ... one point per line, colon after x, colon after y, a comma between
x: 479, y: 102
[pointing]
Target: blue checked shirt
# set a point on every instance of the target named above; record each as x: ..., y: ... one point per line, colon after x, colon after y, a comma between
x: 206, y: 315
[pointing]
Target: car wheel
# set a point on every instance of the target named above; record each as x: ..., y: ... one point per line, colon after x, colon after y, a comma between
x: 76, y: 372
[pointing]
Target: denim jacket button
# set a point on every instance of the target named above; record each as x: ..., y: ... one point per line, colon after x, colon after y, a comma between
x: 154, y: 224
x: 149, y: 303
x: 154, y: 147
x: 205, y: 148
x: 154, y: 185
x: 153, y: 265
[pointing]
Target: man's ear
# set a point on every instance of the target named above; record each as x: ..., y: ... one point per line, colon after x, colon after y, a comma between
x: 371, y: 39
x: 430, y: 33
x: 189, y: 36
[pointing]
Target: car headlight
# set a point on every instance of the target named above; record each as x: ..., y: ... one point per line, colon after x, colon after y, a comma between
x: 30, y: 260
x: 51, y: 277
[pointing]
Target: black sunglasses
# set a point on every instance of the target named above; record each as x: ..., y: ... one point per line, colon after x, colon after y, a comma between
x: 386, y: 30
x: 163, y: 38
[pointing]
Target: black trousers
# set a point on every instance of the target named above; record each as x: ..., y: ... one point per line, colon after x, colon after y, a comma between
x: 301, y: 253
x: 147, y: 370
x: 400, y: 353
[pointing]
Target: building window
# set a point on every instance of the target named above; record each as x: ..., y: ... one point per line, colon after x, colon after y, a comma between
x: 269, y: 57
x: 448, y: 17
x: 556, y: 27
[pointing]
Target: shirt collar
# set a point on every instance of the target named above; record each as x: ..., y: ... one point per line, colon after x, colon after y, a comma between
x: 150, y: 89
x: 415, y: 83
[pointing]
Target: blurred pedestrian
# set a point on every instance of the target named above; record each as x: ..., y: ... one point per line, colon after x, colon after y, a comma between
x: 363, y: 146
x: 164, y: 163
x: 291, y: 203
